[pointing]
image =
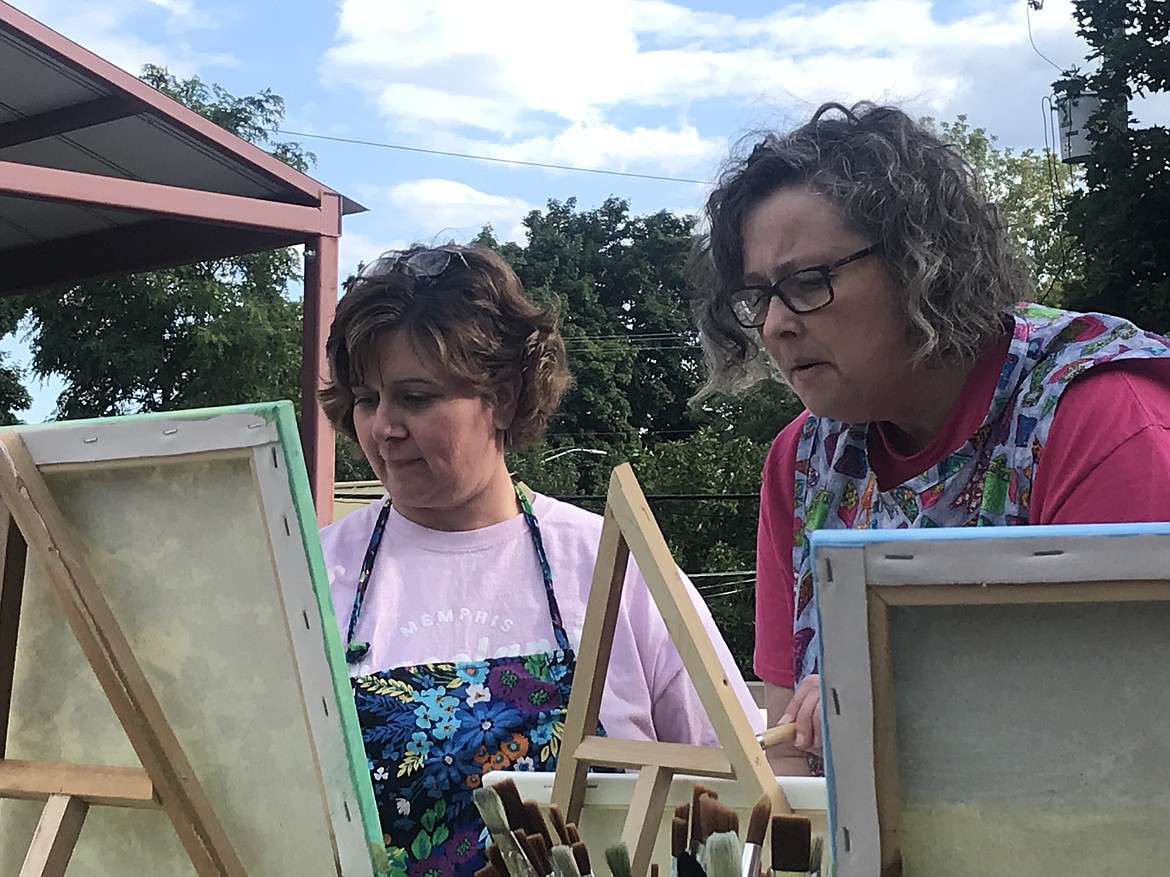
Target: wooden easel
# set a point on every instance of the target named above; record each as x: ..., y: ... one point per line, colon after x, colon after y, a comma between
x: 629, y: 527
x: 31, y: 521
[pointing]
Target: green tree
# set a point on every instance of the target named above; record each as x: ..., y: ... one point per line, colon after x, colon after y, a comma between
x: 1031, y: 190
x: 211, y: 333
x: 1121, y: 216
x: 13, y: 394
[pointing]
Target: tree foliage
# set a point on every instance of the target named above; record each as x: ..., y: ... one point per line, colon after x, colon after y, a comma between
x: 211, y: 333
x: 1031, y: 190
x: 1121, y: 217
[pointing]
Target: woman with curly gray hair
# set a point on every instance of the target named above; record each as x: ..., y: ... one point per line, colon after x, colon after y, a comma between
x: 858, y: 253
x: 460, y: 611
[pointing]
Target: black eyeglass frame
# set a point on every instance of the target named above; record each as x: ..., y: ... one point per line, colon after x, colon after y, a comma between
x: 768, y: 291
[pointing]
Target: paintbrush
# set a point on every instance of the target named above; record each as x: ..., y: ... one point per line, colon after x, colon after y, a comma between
x: 535, y: 824
x: 791, y: 844
x: 557, y: 818
x: 539, y: 854
x: 688, y: 861
x: 721, y: 851
x: 491, y: 810
x: 778, y: 734
x: 816, y: 855
x: 678, y: 843
x: 581, y: 857
x: 683, y: 811
x: 563, y: 863
x: 497, y: 860
x: 513, y: 806
x: 618, y: 859
x: 653, y: 869
x: 753, y: 848
x: 571, y: 830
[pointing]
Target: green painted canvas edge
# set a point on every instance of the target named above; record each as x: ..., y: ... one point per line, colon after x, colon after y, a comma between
x: 282, y: 414
x: 286, y: 425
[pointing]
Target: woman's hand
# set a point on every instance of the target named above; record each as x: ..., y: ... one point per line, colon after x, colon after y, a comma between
x: 805, y: 710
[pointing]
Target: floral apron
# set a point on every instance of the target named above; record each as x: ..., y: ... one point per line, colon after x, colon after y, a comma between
x: 986, y: 482
x: 432, y: 731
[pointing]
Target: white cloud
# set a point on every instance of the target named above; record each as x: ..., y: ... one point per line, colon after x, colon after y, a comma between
x: 452, y: 210
x: 107, y: 30
x: 550, y: 81
x: 601, y: 145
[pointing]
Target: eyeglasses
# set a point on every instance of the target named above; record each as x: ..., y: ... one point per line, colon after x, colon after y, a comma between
x: 802, y: 292
x: 426, y: 264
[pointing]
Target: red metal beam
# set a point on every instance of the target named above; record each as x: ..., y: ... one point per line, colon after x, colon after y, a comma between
x: 46, y: 41
x: 51, y: 184
x: 127, y: 250
x: 317, y: 314
x: 68, y: 119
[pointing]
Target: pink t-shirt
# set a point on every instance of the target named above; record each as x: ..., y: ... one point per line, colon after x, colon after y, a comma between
x: 1107, y: 460
x: 443, y: 596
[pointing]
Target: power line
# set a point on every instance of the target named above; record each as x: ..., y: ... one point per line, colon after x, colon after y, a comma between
x: 541, y: 164
x: 1028, y: 15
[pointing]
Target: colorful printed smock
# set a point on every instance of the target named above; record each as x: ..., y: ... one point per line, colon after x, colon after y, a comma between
x: 432, y: 731
x: 986, y: 482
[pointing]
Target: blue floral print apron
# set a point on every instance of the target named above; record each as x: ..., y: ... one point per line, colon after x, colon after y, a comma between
x: 432, y: 731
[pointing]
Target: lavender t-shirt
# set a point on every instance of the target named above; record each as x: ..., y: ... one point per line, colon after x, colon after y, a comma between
x: 448, y: 596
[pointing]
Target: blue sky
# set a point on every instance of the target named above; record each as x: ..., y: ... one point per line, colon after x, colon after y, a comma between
x: 634, y: 86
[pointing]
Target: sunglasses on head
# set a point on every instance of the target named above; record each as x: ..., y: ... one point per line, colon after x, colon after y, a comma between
x: 424, y: 264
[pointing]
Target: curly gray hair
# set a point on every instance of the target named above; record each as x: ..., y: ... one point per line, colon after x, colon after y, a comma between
x: 894, y: 181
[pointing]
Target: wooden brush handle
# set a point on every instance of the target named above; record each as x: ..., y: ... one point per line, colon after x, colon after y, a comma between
x: 776, y: 735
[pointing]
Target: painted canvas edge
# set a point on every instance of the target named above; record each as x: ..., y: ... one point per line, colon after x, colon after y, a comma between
x: 840, y: 598
x: 282, y: 414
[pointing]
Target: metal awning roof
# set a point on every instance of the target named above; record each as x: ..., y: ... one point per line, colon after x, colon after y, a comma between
x: 77, y: 133
x: 101, y: 175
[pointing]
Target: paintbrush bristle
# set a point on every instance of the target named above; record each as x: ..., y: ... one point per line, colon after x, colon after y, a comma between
x: 696, y: 818
x: 758, y: 822
x: 539, y: 854
x: 816, y: 854
x: 497, y: 859
x: 534, y: 823
x: 581, y: 857
x: 563, y: 863
x: 714, y: 817
x: 571, y: 829
x: 678, y: 836
x: 618, y: 859
x: 723, y: 854
x: 653, y: 869
x: 486, y: 871
x: 683, y: 811
x: 513, y: 806
x: 791, y: 843
x: 557, y: 818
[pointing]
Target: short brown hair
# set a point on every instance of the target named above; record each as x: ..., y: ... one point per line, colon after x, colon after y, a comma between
x: 472, y: 317
x: 901, y: 186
